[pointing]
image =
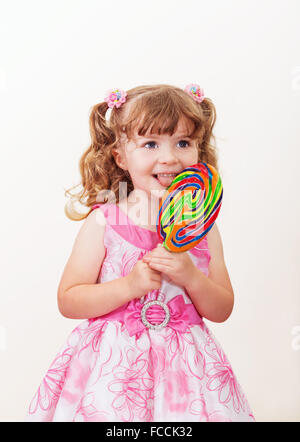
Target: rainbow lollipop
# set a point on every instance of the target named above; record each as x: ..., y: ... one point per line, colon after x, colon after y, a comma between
x: 189, y: 207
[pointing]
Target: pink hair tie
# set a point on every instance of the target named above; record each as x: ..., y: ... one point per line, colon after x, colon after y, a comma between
x: 195, y: 91
x: 115, y: 97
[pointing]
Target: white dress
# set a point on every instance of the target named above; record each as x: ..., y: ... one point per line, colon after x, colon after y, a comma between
x: 122, y: 371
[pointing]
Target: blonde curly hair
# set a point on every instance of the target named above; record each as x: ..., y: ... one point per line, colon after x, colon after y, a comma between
x: 157, y: 109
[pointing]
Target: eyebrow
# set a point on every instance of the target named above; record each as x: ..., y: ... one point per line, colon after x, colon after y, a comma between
x: 157, y: 136
x: 183, y: 136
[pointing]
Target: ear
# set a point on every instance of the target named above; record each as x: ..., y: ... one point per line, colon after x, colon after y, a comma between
x: 119, y: 158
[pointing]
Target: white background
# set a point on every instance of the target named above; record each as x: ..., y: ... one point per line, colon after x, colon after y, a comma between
x: 57, y: 59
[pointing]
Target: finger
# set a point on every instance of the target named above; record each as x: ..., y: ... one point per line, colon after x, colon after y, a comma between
x: 160, y: 266
x: 154, y: 273
x: 157, y: 281
x: 161, y: 251
x: 161, y: 259
x: 161, y: 255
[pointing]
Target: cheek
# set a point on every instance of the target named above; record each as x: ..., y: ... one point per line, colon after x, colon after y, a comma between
x: 196, y: 155
x: 143, y: 161
x: 190, y: 157
x: 140, y: 166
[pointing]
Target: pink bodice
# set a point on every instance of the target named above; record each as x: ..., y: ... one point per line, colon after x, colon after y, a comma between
x: 126, y: 243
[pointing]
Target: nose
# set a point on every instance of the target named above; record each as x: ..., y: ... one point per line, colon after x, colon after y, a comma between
x: 167, y: 155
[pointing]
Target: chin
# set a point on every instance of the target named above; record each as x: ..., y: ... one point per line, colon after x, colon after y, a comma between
x: 157, y: 192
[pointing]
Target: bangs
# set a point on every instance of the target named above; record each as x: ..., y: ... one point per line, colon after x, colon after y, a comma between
x: 160, y: 113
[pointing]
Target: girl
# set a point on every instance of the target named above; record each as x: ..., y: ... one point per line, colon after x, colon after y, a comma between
x: 122, y: 364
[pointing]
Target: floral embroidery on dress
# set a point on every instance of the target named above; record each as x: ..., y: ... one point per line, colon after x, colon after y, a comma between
x: 104, y: 374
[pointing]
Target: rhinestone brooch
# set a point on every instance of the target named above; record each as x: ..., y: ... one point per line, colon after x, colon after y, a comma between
x: 155, y: 326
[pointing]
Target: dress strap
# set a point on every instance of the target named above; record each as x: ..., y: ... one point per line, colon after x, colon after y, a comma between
x: 95, y: 206
x: 104, y: 207
x: 125, y: 227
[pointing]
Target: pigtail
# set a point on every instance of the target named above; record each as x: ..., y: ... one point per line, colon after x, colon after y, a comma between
x: 99, y: 172
x: 207, y: 149
x: 101, y: 133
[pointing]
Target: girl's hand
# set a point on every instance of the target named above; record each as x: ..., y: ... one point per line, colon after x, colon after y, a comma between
x: 142, y: 279
x: 179, y: 267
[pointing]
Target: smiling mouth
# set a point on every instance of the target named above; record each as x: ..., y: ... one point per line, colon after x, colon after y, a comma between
x: 165, y: 179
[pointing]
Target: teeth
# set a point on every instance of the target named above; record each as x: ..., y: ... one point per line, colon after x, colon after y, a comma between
x: 166, y: 174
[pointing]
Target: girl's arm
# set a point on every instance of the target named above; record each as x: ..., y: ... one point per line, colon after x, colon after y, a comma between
x: 79, y: 295
x: 212, y: 296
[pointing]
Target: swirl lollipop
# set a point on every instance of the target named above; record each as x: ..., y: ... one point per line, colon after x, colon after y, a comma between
x: 189, y: 207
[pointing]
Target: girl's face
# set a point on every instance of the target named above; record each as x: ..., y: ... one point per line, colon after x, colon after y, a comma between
x: 154, y: 160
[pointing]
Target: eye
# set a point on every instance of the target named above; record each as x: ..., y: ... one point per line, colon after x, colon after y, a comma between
x: 150, y: 144
x: 183, y: 143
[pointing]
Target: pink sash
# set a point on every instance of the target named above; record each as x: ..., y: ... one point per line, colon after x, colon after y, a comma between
x: 182, y: 315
